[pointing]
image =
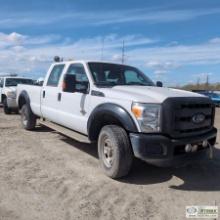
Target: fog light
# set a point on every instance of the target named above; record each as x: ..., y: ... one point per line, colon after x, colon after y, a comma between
x: 188, y: 148
x: 205, y: 143
x: 194, y: 148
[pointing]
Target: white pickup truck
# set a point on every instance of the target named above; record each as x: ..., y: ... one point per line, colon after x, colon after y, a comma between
x: 8, y: 85
x: 122, y: 110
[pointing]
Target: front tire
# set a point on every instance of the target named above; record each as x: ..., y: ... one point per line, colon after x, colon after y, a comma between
x: 7, y: 110
x: 115, y: 151
x: 28, y: 119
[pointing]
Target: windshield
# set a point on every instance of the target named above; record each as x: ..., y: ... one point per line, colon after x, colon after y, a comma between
x: 105, y: 74
x: 16, y: 81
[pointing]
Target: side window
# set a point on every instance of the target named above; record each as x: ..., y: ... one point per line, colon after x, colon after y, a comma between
x: 132, y: 77
x: 55, y: 74
x: 79, y: 71
x: 1, y: 83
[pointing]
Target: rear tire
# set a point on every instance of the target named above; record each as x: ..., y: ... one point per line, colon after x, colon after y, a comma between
x: 7, y: 110
x: 28, y: 119
x: 115, y: 152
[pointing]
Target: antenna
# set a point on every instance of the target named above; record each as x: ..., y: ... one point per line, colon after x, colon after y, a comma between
x: 198, y: 82
x: 123, y: 53
x: 102, y: 49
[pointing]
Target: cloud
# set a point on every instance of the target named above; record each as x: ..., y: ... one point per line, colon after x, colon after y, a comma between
x: 18, y: 40
x: 35, y: 53
x: 99, y: 18
x: 22, y: 53
x: 161, y: 16
x: 166, y: 58
x: 161, y: 68
x: 215, y: 40
x: 11, y: 39
x: 202, y: 77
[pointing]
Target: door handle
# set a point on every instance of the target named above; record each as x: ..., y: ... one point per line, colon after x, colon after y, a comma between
x: 59, y: 96
x: 44, y: 93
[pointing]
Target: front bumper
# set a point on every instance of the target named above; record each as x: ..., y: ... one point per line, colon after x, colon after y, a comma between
x: 161, y: 150
x: 12, y: 103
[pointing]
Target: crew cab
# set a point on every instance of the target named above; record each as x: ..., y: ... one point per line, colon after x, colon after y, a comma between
x: 8, y: 86
x: 122, y: 110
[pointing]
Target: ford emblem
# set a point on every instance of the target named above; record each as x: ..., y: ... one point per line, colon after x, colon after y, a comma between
x: 198, y: 118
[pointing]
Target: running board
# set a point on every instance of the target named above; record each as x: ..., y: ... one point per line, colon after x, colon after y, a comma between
x: 66, y: 131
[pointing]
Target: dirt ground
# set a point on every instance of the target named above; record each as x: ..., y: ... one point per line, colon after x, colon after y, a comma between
x: 46, y: 176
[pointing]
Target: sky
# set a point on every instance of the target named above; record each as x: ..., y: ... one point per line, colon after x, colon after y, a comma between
x: 177, y: 42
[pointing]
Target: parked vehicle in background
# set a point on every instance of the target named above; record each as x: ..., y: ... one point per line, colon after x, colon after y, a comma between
x: 8, y: 85
x: 214, y: 96
x: 39, y: 81
x: 122, y: 110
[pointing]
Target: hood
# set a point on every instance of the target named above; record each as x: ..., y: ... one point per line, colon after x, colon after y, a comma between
x: 146, y: 93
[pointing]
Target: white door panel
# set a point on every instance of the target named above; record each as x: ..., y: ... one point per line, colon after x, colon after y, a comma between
x: 73, y: 109
x: 49, y: 94
x: 49, y: 103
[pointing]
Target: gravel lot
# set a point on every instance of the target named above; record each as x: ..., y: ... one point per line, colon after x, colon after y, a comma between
x: 46, y: 176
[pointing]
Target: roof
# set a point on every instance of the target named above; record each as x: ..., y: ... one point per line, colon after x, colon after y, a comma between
x: 8, y: 75
x: 87, y: 61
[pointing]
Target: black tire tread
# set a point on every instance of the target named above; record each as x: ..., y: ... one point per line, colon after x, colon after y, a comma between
x: 31, y: 118
x: 7, y: 110
x: 126, y: 155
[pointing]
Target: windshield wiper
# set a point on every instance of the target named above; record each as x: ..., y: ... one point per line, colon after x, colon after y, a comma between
x: 137, y: 83
x: 109, y: 84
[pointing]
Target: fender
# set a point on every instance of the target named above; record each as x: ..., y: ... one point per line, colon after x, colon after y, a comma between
x: 23, y: 99
x: 109, y: 113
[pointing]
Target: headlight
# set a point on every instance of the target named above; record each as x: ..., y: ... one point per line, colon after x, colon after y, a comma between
x: 148, y: 116
x: 11, y: 94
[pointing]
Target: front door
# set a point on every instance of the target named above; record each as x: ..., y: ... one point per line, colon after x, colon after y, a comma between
x: 73, y: 106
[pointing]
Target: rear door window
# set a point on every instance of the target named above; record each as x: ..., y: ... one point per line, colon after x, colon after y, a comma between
x: 1, y: 82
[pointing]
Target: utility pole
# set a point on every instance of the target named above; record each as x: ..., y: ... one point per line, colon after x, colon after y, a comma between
x: 198, y: 82
x: 123, y: 53
x: 207, y: 81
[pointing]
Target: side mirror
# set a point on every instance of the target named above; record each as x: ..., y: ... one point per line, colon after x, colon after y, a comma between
x: 70, y: 84
x: 159, y: 84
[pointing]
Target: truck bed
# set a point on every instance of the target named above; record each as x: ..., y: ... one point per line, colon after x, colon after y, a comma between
x: 34, y: 91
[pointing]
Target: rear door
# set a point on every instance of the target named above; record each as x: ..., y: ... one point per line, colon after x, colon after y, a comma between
x: 49, y: 94
x: 1, y: 88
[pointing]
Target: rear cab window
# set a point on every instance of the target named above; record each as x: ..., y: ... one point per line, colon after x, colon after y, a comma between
x: 15, y: 81
x: 55, y: 75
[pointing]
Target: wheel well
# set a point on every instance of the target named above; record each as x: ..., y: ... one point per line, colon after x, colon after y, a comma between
x: 99, y: 122
x: 22, y: 101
